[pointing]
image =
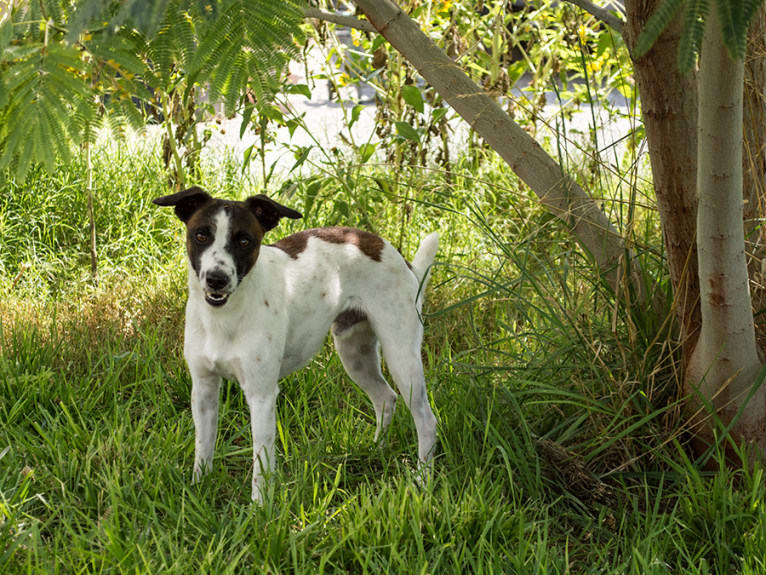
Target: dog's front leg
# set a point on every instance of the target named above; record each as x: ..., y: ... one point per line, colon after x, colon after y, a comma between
x: 263, y: 422
x: 204, y: 403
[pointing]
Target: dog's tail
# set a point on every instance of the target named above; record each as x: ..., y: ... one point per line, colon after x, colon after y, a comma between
x: 422, y: 261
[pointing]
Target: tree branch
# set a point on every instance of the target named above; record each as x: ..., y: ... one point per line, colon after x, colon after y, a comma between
x: 548, y: 180
x: 341, y: 19
x: 601, y: 14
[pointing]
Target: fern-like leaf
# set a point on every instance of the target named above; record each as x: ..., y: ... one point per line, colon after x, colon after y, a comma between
x: 736, y: 17
x: 44, y: 84
x: 694, y: 28
x: 656, y: 25
x: 733, y: 28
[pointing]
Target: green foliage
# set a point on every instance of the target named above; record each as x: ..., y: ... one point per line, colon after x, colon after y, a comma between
x: 734, y: 15
x: 38, y: 123
x: 66, y: 66
x: 656, y: 24
x: 557, y: 449
x: 553, y: 46
x: 694, y: 27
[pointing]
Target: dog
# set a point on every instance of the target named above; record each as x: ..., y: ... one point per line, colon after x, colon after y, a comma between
x: 258, y: 312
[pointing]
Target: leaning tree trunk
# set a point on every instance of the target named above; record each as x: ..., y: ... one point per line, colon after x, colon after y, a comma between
x: 669, y: 109
x: 556, y: 190
x: 725, y: 362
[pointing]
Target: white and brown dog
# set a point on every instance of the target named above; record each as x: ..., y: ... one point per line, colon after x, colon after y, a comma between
x: 259, y: 312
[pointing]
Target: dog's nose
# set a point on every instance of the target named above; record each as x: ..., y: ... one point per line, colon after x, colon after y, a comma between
x: 216, y: 280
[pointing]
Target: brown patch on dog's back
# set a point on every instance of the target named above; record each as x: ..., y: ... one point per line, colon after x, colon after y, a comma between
x: 293, y: 245
x: 369, y: 244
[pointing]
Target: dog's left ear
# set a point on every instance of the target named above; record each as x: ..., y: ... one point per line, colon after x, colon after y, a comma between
x: 268, y: 212
x: 186, y: 202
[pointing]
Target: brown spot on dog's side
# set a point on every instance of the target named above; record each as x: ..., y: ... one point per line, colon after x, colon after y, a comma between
x: 369, y: 244
x: 266, y: 302
x: 293, y: 245
x: 348, y: 319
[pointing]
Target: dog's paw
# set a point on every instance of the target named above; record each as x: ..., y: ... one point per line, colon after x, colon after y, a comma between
x: 424, y: 473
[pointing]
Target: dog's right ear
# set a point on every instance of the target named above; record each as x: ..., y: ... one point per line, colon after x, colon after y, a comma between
x: 186, y: 202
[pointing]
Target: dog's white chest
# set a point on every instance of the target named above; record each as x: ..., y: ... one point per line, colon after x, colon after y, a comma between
x: 215, y: 346
x: 223, y: 364
x: 217, y: 358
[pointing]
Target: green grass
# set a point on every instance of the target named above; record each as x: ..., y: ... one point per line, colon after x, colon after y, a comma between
x: 559, y: 442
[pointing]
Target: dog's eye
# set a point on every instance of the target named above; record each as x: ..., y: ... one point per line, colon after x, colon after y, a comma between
x: 243, y: 242
x: 201, y: 237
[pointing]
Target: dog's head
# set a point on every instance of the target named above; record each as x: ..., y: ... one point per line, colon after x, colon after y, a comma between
x: 223, y: 237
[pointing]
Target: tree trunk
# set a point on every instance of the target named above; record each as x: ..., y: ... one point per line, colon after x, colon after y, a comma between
x: 669, y: 109
x: 725, y: 363
x: 556, y: 190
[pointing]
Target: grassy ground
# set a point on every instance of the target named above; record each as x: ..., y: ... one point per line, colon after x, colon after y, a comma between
x: 559, y: 441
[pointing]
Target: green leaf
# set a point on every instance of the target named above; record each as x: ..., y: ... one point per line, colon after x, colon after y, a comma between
x: 413, y: 97
x: 377, y: 42
x: 246, y: 115
x: 342, y: 207
x: 407, y: 131
x: 605, y: 42
x: 735, y: 16
x: 366, y: 151
x: 272, y: 113
x: 301, y: 89
x: 301, y: 155
x: 694, y: 28
x: 656, y: 25
x: 516, y: 71
x: 734, y: 36
x: 310, y: 196
x: 438, y: 114
x: 246, y: 157
x: 355, y: 111
x: 6, y: 33
x: 292, y: 125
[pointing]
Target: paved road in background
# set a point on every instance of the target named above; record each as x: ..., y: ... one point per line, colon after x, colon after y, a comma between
x: 325, y: 119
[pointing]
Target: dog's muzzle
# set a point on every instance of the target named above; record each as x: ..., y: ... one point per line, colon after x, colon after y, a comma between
x: 217, y: 288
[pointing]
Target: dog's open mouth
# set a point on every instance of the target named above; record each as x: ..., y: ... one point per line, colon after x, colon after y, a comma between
x: 216, y: 299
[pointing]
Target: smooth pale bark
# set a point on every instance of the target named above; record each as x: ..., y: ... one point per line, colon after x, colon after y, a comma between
x: 556, y: 190
x: 669, y: 110
x: 725, y: 362
x: 341, y: 19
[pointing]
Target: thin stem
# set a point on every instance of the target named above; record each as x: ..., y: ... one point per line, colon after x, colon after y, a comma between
x: 91, y: 213
x: 172, y: 143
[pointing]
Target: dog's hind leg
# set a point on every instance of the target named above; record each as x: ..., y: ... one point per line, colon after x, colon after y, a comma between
x: 401, y: 349
x: 357, y: 347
